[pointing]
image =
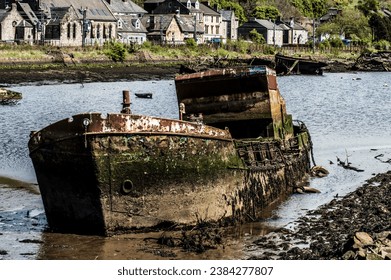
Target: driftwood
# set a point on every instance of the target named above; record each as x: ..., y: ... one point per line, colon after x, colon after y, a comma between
x: 347, y: 165
x: 383, y: 161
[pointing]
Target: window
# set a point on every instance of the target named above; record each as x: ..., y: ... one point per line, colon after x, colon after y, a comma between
x: 98, y: 31
x: 110, y: 31
x: 74, y: 31
x: 68, y: 30
x: 137, y: 24
x: 92, y: 34
x: 104, y: 32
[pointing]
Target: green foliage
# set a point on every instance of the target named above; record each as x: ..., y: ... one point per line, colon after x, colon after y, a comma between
x: 256, y: 37
x: 233, y: 5
x: 191, y: 43
x: 266, y: 12
x: 239, y: 46
x: 381, y: 27
x: 382, y: 45
x: 349, y: 23
x: 336, y: 42
x: 368, y: 6
x: 116, y: 51
x: 325, y: 45
x: 311, y: 8
x: 269, y: 50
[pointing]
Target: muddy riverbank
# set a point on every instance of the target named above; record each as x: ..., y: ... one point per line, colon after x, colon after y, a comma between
x: 44, y: 72
x: 355, y: 226
x: 22, y: 74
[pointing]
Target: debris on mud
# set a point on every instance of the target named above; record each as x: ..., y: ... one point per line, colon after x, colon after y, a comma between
x: 356, y: 226
x: 200, y: 238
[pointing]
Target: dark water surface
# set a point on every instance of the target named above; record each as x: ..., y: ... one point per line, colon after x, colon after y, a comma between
x: 347, y: 114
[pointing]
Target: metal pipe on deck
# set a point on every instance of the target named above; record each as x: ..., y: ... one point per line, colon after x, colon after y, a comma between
x: 126, y: 102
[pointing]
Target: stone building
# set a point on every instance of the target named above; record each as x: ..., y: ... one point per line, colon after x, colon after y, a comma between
x: 230, y: 24
x: 10, y: 19
x: 171, y: 28
x: 129, y: 28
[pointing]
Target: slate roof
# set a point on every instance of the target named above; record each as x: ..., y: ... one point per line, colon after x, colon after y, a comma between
x: 256, y: 23
x: 96, y: 9
x: 129, y: 25
x: 160, y: 22
x: 125, y: 7
x: 57, y: 14
x: 332, y: 13
x: 3, y: 14
x: 286, y: 25
x: 28, y: 13
x: 227, y: 14
x: 186, y: 24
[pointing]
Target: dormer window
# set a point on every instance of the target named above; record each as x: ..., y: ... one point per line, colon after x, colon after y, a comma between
x: 188, y: 4
x: 197, y: 5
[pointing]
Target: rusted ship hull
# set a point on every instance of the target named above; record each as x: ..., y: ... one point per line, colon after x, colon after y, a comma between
x: 286, y: 65
x: 122, y: 172
x: 128, y: 171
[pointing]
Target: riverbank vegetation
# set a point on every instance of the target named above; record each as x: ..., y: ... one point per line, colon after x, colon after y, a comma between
x: 362, y: 23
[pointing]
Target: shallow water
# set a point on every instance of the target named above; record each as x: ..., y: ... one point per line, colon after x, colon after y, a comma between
x: 347, y: 118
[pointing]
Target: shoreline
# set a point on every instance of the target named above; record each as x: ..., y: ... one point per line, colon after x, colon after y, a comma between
x: 40, y: 72
x: 353, y: 227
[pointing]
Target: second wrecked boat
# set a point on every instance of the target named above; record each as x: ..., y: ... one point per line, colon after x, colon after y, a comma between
x: 233, y: 151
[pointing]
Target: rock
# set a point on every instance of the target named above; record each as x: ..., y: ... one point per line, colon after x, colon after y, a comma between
x: 364, y: 238
x: 310, y: 190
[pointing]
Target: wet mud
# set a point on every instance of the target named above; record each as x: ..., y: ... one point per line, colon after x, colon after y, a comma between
x: 356, y: 226
x: 106, y: 72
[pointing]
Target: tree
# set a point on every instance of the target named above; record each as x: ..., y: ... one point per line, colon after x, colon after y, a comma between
x: 368, y: 6
x: 310, y: 8
x: 266, y: 12
x: 230, y: 4
x: 381, y: 27
x: 256, y: 37
x: 350, y: 23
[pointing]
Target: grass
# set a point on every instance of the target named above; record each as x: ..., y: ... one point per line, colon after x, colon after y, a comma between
x: 238, y: 49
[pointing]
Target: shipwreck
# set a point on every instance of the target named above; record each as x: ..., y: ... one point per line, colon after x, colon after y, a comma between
x: 232, y: 151
x: 286, y: 65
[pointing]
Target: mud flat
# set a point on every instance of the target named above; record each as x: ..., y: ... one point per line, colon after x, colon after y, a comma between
x: 356, y: 226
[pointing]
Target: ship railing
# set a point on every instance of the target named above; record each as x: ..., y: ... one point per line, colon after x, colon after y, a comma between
x: 257, y: 153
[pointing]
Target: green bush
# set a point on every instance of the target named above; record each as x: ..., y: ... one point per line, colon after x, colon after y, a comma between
x: 256, y: 37
x: 336, y: 42
x: 382, y: 45
x: 116, y: 51
x: 191, y: 43
x: 268, y: 49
